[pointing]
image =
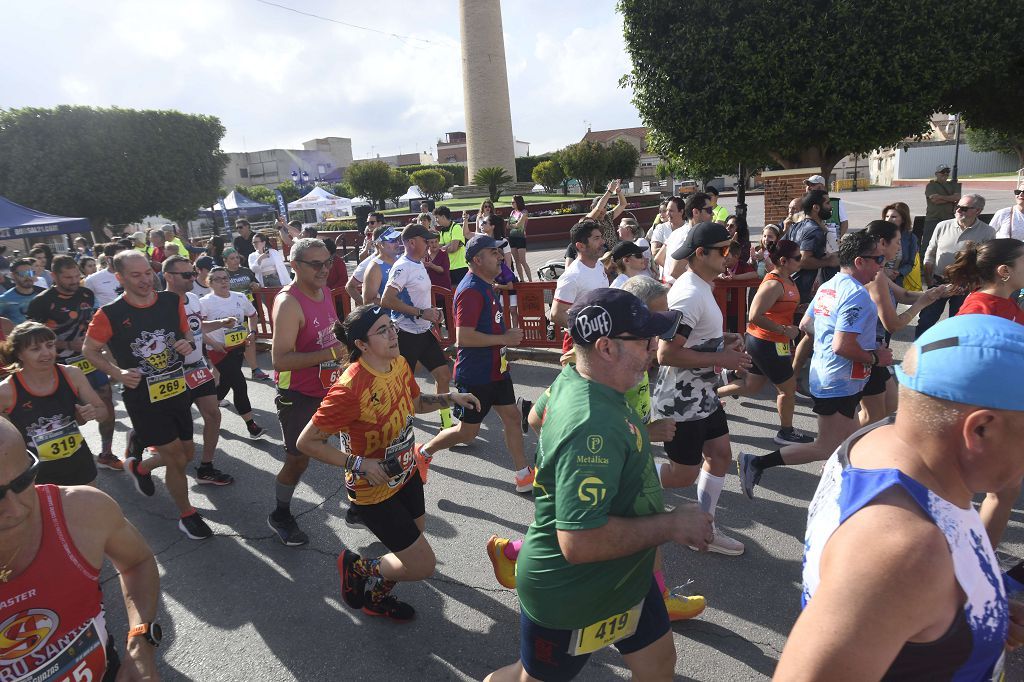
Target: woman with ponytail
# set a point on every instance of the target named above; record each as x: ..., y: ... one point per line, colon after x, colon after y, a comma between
x: 769, y: 334
x: 373, y: 402
x: 992, y: 271
x: 879, y: 398
x: 47, y: 402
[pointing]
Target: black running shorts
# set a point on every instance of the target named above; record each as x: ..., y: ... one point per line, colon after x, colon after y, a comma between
x: 393, y: 521
x: 768, y: 359
x: 422, y: 348
x: 687, y: 446
x: 294, y: 411
x: 500, y: 392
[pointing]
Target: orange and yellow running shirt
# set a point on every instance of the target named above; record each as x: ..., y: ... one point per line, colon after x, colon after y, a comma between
x: 375, y: 410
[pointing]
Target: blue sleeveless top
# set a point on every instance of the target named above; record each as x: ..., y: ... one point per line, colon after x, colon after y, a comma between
x: 973, y: 646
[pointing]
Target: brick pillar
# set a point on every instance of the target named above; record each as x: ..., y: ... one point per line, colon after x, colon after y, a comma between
x: 781, y: 187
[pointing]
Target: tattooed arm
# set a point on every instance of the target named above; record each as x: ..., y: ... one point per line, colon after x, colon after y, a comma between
x: 313, y: 443
x: 430, y: 403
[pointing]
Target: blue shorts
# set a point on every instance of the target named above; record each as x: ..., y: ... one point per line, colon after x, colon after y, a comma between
x: 545, y: 652
x: 97, y: 379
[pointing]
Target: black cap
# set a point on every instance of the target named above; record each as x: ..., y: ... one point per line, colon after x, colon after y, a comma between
x: 205, y: 263
x: 702, y: 234
x: 711, y: 189
x: 623, y: 249
x: 612, y: 313
x: 413, y: 230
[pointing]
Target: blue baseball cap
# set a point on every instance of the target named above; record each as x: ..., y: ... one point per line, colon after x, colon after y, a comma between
x: 613, y: 313
x: 965, y: 359
x: 478, y: 243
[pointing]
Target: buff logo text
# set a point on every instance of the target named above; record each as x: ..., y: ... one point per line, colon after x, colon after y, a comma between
x: 593, y: 322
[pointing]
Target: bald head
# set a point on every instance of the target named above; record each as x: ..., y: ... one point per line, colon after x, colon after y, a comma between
x: 15, y: 508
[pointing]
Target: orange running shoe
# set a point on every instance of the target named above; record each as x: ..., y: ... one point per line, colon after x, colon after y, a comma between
x: 524, y: 484
x: 683, y: 607
x: 504, y: 568
x: 422, y: 463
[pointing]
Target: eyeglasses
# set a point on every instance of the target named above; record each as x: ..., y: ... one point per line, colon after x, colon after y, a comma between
x: 316, y: 264
x: 24, y: 479
x: 878, y: 259
x: 385, y: 331
x: 649, y: 341
x: 961, y: 207
x: 183, y: 275
x: 218, y: 279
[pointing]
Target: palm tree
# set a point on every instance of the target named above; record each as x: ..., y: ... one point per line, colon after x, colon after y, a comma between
x: 494, y: 177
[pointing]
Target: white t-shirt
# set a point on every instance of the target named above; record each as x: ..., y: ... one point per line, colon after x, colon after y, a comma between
x: 579, y: 279
x: 619, y: 281
x: 235, y: 305
x: 360, y: 270
x: 674, y: 241
x: 688, y: 394
x: 1008, y: 223
x: 104, y: 285
x: 411, y: 280
x: 661, y: 232
x: 194, y: 313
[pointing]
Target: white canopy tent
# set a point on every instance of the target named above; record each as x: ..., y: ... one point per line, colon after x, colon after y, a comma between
x: 325, y: 204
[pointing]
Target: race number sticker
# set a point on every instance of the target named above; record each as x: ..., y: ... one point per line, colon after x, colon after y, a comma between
x: 198, y: 375
x: 607, y: 631
x: 84, y: 659
x: 329, y: 373
x: 58, y: 444
x: 165, y: 386
x: 81, y: 363
x: 235, y: 337
x: 782, y: 350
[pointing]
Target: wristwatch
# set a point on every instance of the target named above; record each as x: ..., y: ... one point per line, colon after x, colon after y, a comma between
x: 874, y: 358
x: 150, y: 631
x: 419, y: 313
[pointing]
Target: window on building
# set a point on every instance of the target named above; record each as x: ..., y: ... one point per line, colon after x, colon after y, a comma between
x: 243, y: 172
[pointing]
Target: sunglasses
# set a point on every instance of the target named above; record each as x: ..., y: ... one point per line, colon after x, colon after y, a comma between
x: 23, y: 480
x: 648, y: 340
x: 961, y: 207
x: 878, y: 259
x: 708, y: 209
x: 316, y: 264
x: 183, y: 275
x: 1018, y: 192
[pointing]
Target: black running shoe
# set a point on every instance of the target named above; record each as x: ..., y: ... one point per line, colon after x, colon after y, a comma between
x: 212, y: 476
x: 194, y: 527
x: 524, y: 406
x: 133, y: 448
x: 287, y: 531
x: 353, y: 517
x: 389, y: 607
x: 353, y: 585
x: 143, y: 482
x: 255, y: 430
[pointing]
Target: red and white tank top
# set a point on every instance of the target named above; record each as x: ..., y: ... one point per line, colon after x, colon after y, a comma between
x: 52, y: 625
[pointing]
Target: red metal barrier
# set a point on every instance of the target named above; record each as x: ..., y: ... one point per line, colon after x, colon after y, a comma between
x: 447, y: 306
x: 531, y: 314
x: 263, y: 301
x: 735, y: 291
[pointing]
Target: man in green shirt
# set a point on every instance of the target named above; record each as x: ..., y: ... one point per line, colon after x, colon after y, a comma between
x: 584, y: 574
x: 452, y: 239
x: 719, y: 214
x: 941, y: 197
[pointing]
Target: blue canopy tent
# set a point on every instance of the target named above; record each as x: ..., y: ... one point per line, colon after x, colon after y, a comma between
x: 20, y: 221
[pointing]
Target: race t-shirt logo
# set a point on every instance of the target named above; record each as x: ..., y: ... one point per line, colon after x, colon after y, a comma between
x: 24, y: 633
x: 594, y: 444
x: 591, y: 490
x: 154, y: 351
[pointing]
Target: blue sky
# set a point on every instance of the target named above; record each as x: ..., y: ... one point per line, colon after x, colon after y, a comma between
x: 276, y: 78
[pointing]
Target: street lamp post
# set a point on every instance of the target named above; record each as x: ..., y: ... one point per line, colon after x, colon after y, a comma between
x: 301, y: 180
x: 956, y: 148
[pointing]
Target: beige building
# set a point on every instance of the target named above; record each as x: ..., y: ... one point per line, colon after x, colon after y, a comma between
x: 452, y: 148
x: 324, y: 157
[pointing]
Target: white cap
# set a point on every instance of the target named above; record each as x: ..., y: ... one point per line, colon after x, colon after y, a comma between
x: 815, y: 180
x: 942, y: 167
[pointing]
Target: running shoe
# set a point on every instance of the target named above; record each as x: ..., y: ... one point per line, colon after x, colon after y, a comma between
x: 682, y: 606
x: 749, y: 475
x: 259, y: 375
x: 723, y: 544
x: 133, y: 448
x: 288, y: 531
x: 225, y: 403
x: 504, y: 568
x: 422, y: 463
x: 212, y: 476
x: 143, y: 482
x: 524, y: 484
x: 194, y: 527
x: 108, y: 460
x: 353, y: 585
x: 791, y: 436
x: 353, y: 517
x: 803, y: 395
x: 524, y: 409
x: 389, y: 607
x: 255, y: 430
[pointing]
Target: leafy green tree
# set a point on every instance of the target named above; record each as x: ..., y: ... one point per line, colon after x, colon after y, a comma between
x: 988, y: 140
x: 341, y: 189
x: 623, y: 158
x: 373, y: 180
x: 549, y: 174
x: 526, y: 164
x: 494, y: 178
x: 259, y: 193
x: 831, y: 85
x: 110, y: 165
x: 457, y: 171
x: 585, y: 161
x: 398, y: 185
x: 290, y: 191
x: 431, y: 183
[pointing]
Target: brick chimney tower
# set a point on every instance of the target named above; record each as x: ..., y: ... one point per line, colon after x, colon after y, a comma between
x: 485, y: 88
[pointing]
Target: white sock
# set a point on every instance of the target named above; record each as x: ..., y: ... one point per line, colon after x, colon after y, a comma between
x: 709, y: 488
x: 661, y: 474
x: 522, y: 472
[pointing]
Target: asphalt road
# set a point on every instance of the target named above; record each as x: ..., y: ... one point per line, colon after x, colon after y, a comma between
x: 241, y: 606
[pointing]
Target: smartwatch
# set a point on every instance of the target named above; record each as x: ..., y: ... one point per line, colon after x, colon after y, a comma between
x: 150, y: 631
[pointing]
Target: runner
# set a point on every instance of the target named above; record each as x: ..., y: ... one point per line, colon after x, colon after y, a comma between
x: 198, y: 375
x: 481, y: 368
x: 306, y: 358
x: 243, y: 280
x: 584, y: 274
x: 504, y: 552
x: 844, y: 319
x: 54, y: 541
x: 14, y: 302
x: 103, y: 283
x: 148, y: 335
x: 585, y: 571
x: 690, y: 365
x: 899, y: 580
x: 374, y: 403
x: 375, y: 277
x: 227, y: 342
x: 410, y: 299
x: 66, y: 308
x: 47, y: 402
x: 769, y: 336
